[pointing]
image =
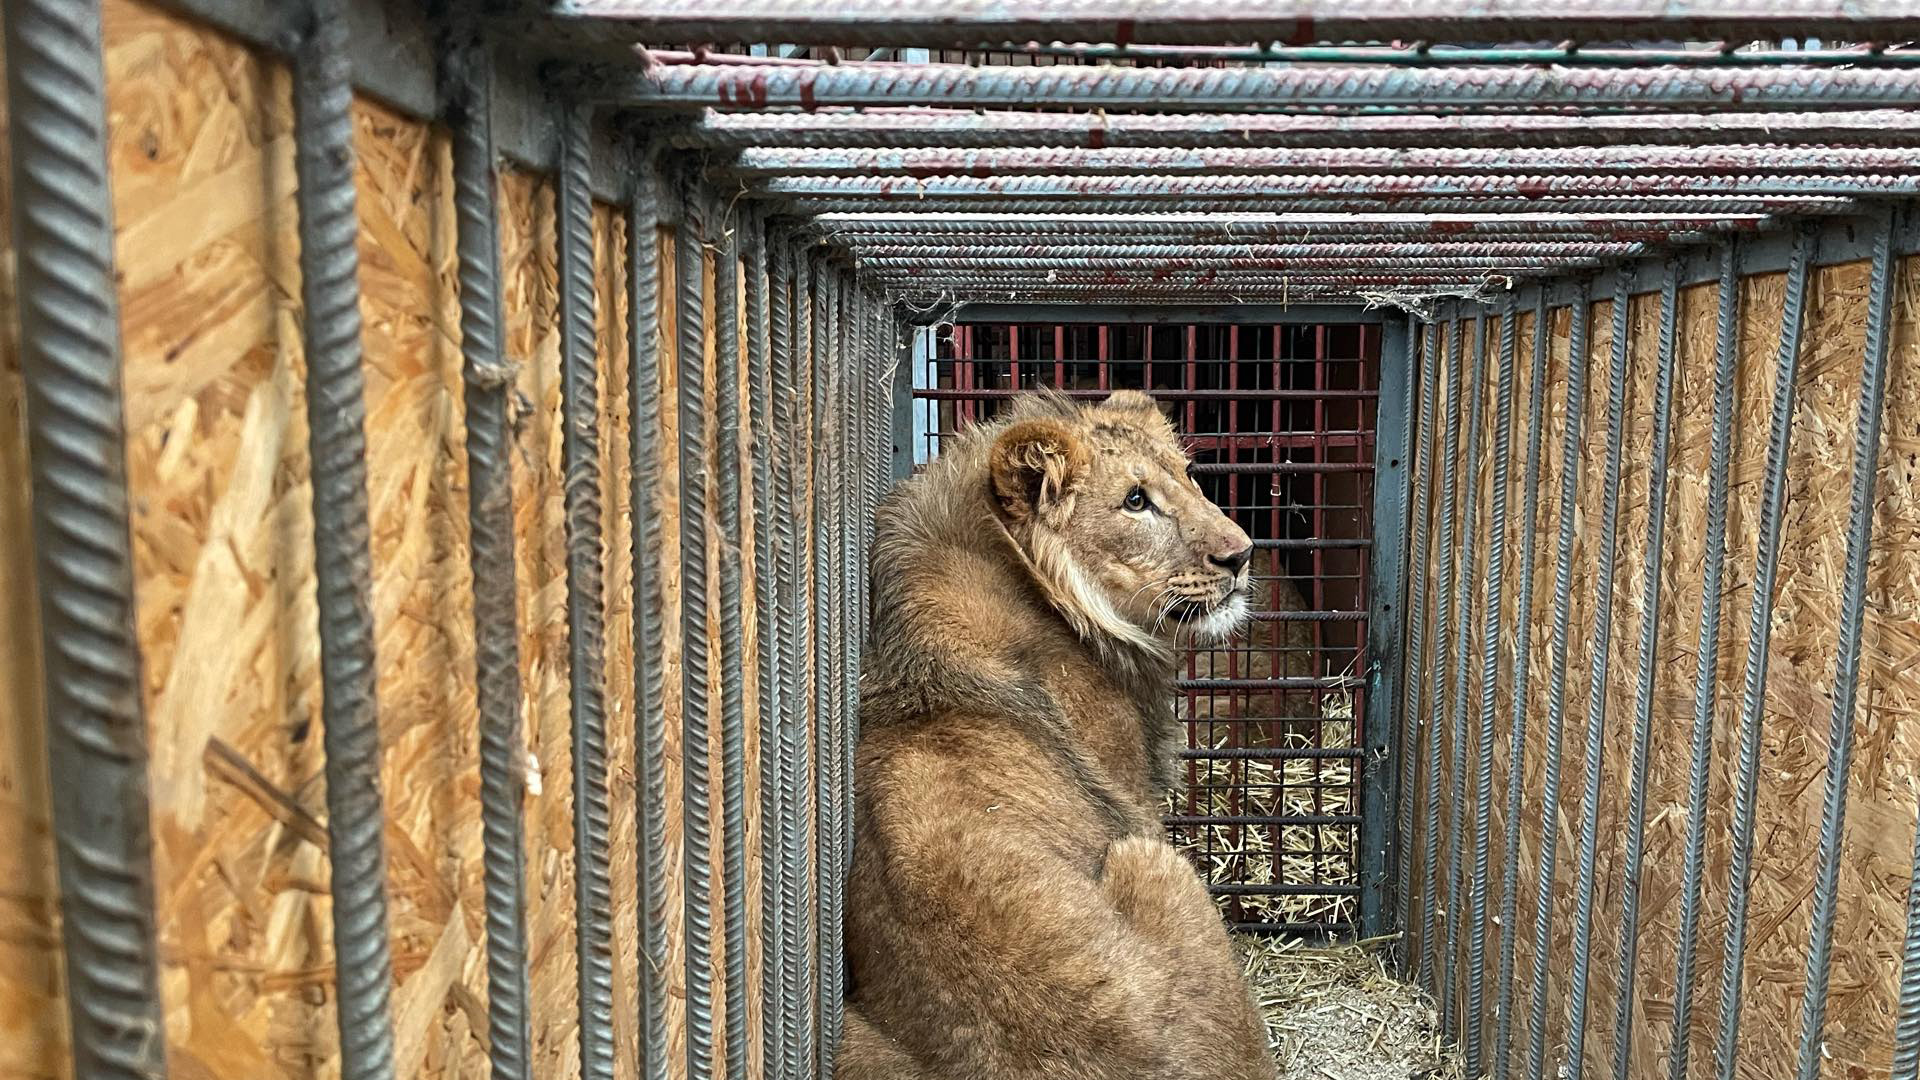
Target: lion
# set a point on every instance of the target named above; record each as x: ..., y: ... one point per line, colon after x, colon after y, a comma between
x: 1013, y: 908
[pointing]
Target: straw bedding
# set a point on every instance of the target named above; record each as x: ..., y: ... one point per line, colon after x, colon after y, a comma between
x: 1335, y: 1014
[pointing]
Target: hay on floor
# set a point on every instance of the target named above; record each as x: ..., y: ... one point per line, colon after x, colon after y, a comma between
x: 1333, y: 1013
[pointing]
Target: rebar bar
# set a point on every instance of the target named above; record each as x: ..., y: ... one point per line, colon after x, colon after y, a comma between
x: 910, y: 232
x: 69, y: 354
x: 343, y: 561
x: 1415, y: 678
x: 1443, y: 597
x: 805, y: 576
x: 989, y: 254
x: 1225, y: 190
x: 1480, y: 205
x: 888, y: 268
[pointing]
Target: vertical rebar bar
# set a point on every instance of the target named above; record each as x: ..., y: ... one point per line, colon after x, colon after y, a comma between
x: 1443, y: 583
x: 1706, y: 659
x: 1415, y: 674
x: 580, y: 453
x: 1522, y: 679
x: 725, y: 466
x: 649, y: 609
x: 488, y: 377
x: 1601, y: 641
x: 770, y: 652
x: 70, y: 357
x: 1906, y: 1032
x: 695, y: 703
x: 825, y: 829
x: 1462, y: 653
x: 1489, y: 677
x: 1577, y: 361
x: 1649, y: 647
x: 343, y: 571
x: 1846, y: 677
x: 793, y: 416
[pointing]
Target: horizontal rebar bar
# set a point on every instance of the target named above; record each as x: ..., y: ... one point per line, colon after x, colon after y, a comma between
x: 1409, y: 204
x: 1224, y: 189
x: 963, y: 24
x: 1052, y: 231
x: 1161, y: 267
x: 927, y: 162
x: 953, y: 128
x: 1255, y: 89
x: 898, y: 255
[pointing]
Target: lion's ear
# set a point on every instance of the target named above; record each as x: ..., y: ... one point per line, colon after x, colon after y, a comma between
x: 1034, y: 466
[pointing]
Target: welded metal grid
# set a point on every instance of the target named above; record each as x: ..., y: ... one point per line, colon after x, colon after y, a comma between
x: 1279, y: 419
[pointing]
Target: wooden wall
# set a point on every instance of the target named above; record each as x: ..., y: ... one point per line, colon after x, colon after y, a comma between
x: 202, y: 170
x: 1882, y: 794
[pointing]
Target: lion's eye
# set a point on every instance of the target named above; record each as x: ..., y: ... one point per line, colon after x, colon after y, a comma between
x: 1137, y: 500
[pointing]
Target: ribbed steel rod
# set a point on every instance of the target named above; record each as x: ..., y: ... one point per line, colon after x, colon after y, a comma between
x: 1489, y: 678
x: 586, y: 630
x: 782, y: 1019
x: 1706, y: 661
x: 1430, y: 969
x: 1649, y: 648
x: 1760, y: 628
x: 1846, y: 675
x: 917, y: 266
x: 972, y: 24
x: 802, y: 631
x: 1236, y: 294
x: 1225, y: 279
x: 937, y: 161
x: 985, y: 128
x: 69, y: 352
x: 1247, y: 89
x: 909, y: 231
x: 1574, y: 413
x: 1600, y: 639
x: 488, y: 377
x: 1223, y: 189
x: 908, y: 256
x: 1415, y: 675
x: 725, y: 463
x: 1461, y: 664
x: 695, y: 663
x: 649, y: 612
x: 772, y: 792
x: 1509, y: 202
x: 825, y: 690
x: 343, y: 562
x: 1906, y: 1032
x: 1522, y: 682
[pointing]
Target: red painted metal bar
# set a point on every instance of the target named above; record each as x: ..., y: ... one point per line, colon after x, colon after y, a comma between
x: 950, y: 128
x: 1257, y: 89
x: 929, y: 162
x: 977, y: 24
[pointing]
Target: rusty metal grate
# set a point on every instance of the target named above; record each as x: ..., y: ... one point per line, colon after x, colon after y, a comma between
x: 1280, y: 421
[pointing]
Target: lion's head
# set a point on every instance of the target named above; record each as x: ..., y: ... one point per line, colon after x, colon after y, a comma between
x: 1099, y: 501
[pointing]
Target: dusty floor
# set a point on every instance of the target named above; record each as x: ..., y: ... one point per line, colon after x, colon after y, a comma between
x: 1335, y: 1014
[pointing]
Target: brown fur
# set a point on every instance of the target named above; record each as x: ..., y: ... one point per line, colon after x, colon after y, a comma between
x: 1014, y: 910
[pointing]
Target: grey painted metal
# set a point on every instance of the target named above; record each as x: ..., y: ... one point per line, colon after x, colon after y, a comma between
x: 1760, y: 627
x: 1574, y: 414
x: 825, y: 645
x: 1058, y: 232
x: 69, y: 352
x: 1416, y: 677
x: 1246, y: 89
x: 488, y: 377
x: 1522, y: 678
x: 649, y: 606
x: 1443, y: 618
x: 972, y: 24
x: 586, y: 629
x: 1461, y: 662
x: 1649, y: 647
x: 1386, y: 594
x: 1846, y: 678
x: 916, y: 127
x: 695, y: 660
x: 1489, y: 675
x: 808, y: 644
x: 1225, y: 189
x: 723, y: 232
x: 1666, y: 205
x: 1706, y: 658
x: 1601, y: 642
x: 343, y: 562
x: 774, y: 805
x: 937, y: 161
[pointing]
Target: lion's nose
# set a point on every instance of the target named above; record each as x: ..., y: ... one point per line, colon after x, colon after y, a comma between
x: 1233, y: 561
